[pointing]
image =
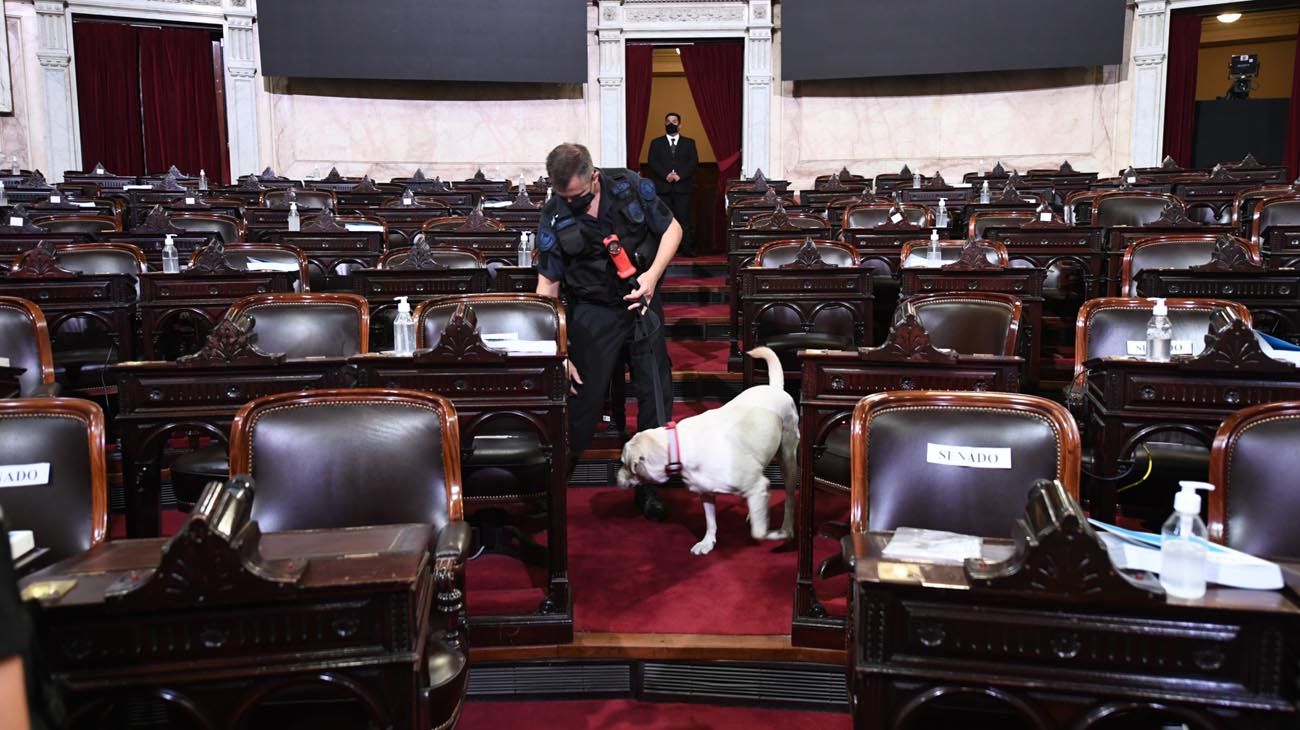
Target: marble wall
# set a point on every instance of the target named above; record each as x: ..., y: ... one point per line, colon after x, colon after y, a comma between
x: 20, y: 135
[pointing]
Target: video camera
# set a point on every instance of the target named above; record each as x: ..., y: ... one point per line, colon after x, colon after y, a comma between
x: 1242, y: 69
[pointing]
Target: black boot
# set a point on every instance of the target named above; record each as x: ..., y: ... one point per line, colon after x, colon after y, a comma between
x: 648, y: 501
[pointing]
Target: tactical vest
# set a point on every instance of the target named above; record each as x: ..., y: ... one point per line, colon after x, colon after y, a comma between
x: 589, y: 275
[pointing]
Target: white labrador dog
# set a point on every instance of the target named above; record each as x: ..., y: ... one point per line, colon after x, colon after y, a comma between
x: 725, y: 450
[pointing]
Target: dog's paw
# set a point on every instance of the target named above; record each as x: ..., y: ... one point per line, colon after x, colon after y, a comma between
x: 703, y: 547
x: 781, y: 535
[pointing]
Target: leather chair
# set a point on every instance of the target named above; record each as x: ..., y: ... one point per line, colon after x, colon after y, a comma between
x: 1178, y: 251
x: 505, y: 462
x: 298, y: 325
x: 1253, y: 465
x: 229, y: 230
x: 458, y: 222
x: 950, y: 250
x: 897, y: 482
x: 1245, y: 202
x: 306, y: 199
x: 25, y: 341
x: 239, y: 254
x: 1131, y: 208
x: 452, y: 257
x: 974, y: 323
x: 349, y: 458
x: 91, y: 225
x: 778, y: 254
x: 1104, y: 328
x: 69, y: 513
x: 102, y: 258
x: 872, y: 215
x: 1282, y: 210
x: 982, y: 220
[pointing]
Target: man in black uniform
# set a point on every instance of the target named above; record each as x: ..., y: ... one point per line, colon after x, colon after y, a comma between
x: 588, y: 206
x: 672, y: 161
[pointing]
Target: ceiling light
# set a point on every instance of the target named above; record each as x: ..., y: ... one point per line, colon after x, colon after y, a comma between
x: 1229, y: 17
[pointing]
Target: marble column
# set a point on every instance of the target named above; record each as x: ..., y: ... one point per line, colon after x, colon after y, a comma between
x: 54, y: 52
x: 240, y: 60
x: 1150, y: 46
x: 613, y: 92
x: 756, y: 141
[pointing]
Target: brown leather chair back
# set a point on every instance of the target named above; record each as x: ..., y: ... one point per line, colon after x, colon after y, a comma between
x: 984, y: 323
x: 101, y: 258
x: 983, y: 220
x: 871, y: 215
x: 89, y: 224
x: 530, y: 316
x: 306, y: 199
x: 228, y: 229
x: 347, y: 458
x: 453, y: 257
x: 239, y: 254
x: 25, y: 340
x: 1253, y: 465
x: 308, y: 324
x: 1106, y: 325
x: 950, y: 250
x: 904, y: 446
x: 1131, y: 208
x: 69, y: 513
x: 776, y: 254
x: 1181, y: 251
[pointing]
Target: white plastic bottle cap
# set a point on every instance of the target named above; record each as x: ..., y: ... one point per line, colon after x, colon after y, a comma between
x: 403, y: 306
x: 934, y: 235
x: 1187, y: 500
x: 1160, y: 309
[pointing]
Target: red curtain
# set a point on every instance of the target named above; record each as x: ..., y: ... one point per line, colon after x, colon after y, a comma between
x: 640, y: 75
x: 108, y: 96
x: 1292, y: 158
x: 180, y: 102
x: 1180, y: 86
x: 713, y: 71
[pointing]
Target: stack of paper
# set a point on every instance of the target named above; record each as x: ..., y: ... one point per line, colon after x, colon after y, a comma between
x: 21, y: 542
x: 931, y: 546
x: 252, y: 263
x: 363, y: 227
x: 1132, y: 550
x: 510, y: 342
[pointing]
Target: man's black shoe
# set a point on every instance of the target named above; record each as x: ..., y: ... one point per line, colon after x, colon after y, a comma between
x: 648, y: 501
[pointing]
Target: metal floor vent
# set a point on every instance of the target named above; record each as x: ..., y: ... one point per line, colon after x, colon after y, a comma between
x: 594, y: 473
x: 550, y: 679
x: 809, y: 687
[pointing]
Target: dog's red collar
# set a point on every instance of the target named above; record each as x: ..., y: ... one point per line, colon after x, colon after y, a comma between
x: 674, y: 468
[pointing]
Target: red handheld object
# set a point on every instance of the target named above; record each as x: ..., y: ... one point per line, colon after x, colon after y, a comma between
x: 618, y: 255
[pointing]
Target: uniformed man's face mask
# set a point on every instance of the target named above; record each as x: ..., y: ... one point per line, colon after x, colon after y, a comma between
x: 579, y: 204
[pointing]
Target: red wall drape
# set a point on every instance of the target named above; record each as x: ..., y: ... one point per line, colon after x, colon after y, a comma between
x: 640, y: 75
x: 1292, y: 158
x: 108, y: 96
x: 180, y: 102
x: 1180, y: 86
x: 713, y: 71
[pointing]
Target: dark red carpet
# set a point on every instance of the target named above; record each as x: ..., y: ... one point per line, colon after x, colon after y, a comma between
x: 675, y: 312
x: 629, y: 715
x: 702, y: 355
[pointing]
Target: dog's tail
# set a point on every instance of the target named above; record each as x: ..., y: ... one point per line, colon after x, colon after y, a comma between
x: 775, y: 373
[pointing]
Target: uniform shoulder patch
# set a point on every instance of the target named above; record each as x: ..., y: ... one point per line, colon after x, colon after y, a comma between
x: 620, y: 188
x: 546, y: 241
x: 634, y: 212
x: 647, y: 190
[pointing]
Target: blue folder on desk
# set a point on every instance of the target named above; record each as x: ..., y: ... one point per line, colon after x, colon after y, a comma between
x: 1278, y: 343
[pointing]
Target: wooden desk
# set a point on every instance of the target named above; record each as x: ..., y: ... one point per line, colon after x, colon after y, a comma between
x: 1128, y: 400
x: 329, y: 245
x: 1048, y: 245
x: 196, y: 298
x: 108, y: 300
x: 1281, y: 245
x: 196, y: 628
x: 199, y: 395
x: 1272, y: 295
x: 1119, y: 238
x: 1057, y: 639
x: 833, y: 383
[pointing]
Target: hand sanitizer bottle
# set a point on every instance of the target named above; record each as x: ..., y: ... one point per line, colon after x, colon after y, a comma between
x: 408, y: 198
x: 4, y: 198
x: 1182, y: 544
x: 981, y: 173
x: 525, y: 249
x: 941, y: 218
x: 1160, y: 332
x: 403, y: 328
x: 170, y: 259
x: 295, y: 223
x: 14, y: 169
x: 935, y: 254
x: 203, y: 180
x: 916, y: 180
x: 985, y: 194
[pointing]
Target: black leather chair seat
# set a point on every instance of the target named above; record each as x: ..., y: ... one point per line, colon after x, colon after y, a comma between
x: 505, y: 465
x: 833, y: 464
x: 194, y: 469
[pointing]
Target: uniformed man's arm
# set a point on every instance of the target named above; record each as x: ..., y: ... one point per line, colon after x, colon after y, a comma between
x: 547, y: 287
x: 648, y: 280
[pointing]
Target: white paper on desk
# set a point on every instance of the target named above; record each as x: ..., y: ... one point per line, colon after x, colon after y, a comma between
x: 137, y: 187
x: 21, y: 542
x: 931, y: 546
x: 498, y: 203
x: 255, y: 264
x: 82, y: 203
x: 363, y: 227
x: 4, y: 362
x: 921, y: 261
x: 1223, y: 566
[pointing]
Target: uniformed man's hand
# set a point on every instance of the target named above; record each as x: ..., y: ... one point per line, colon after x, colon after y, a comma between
x: 573, y: 377
x: 645, y: 288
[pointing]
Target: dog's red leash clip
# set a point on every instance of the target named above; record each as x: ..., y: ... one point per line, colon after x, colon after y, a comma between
x: 674, y: 468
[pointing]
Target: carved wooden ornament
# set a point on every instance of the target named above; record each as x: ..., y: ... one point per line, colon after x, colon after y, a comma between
x: 1229, y: 256
x: 40, y: 263
x: 460, y: 342
x: 419, y: 257
x: 974, y: 257
x: 231, y: 343
x: 808, y: 257
x: 908, y: 340
x: 211, y: 259
x: 157, y: 223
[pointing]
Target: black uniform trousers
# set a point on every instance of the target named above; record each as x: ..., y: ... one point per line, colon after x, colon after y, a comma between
x: 597, y: 336
x: 680, y: 204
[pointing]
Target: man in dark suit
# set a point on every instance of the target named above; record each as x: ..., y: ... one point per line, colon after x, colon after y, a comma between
x: 672, y: 164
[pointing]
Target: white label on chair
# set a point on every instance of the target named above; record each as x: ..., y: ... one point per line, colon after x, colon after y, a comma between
x: 1180, y: 347
x: 1045, y: 217
x: 977, y: 457
x: 1131, y: 179
x: 1137, y: 347
x: 189, y: 201
x: 25, y: 475
x: 56, y: 199
x: 896, y: 218
x: 15, y: 221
